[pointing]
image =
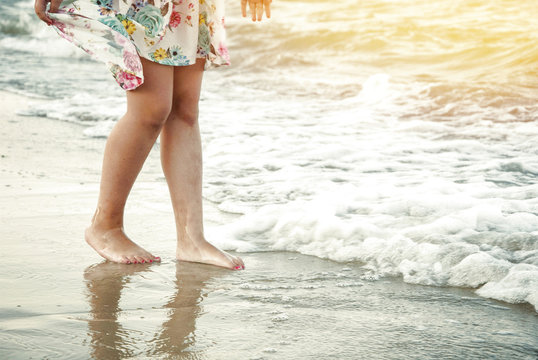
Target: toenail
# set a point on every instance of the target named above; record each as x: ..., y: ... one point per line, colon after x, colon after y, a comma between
x: 134, y: 262
x: 151, y: 261
x: 238, y: 267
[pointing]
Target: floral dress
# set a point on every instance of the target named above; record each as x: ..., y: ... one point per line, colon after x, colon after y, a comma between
x: 169, y: 32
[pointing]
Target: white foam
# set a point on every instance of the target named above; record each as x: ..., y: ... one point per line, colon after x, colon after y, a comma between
x: 518, y: 286
x: 477, y: 269
x: 344, y: 223
x: 100, y: 113
x: 100, y: 129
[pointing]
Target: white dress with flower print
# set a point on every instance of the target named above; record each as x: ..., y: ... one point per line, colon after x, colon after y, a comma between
x: 169, y: 32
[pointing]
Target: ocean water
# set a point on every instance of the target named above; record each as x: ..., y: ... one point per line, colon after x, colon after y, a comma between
x: 400, y: 135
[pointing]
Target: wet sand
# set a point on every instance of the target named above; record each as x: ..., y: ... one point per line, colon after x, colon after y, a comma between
x: 59, y: 300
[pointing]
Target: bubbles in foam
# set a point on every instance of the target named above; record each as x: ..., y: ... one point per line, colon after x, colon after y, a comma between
x: 280, y: 317
x: 519, y: 285
x: 477, y: 269
x: 344, y: 223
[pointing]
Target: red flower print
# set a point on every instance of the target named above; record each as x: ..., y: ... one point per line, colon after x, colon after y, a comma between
x: 128, y: 81
x: 223, y: 51
x: 175, y: 19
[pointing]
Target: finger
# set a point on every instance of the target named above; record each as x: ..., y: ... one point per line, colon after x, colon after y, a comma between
x: 39, y: 8
x: 259, y: 10
x: 252, y: 6
x: 267, y: 5
x: 54, y: 5
x: 244, y: 8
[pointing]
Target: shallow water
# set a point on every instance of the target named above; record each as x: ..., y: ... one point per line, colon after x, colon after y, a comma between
x: 297, y: 307
x: 399, y: 135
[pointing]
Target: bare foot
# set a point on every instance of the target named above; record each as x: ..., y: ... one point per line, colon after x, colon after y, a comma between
x: 202, y: 251
x: 115, y: 246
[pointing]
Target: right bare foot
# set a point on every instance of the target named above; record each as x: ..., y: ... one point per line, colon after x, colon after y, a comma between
x: 115, y: 246
x: 201, y: 251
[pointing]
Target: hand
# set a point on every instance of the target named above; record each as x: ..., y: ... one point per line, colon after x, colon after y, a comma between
x: 40, y: 8
x: 256, y: 8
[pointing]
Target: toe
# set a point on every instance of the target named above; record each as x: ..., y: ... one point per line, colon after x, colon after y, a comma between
x: 238, y: 262
x: 132, y: 259
x: 148, y: 258
x: 157, y: 259
x: 236, y: 265
x: 125, y: 260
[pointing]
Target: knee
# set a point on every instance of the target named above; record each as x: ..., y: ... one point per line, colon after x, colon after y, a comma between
x: 154, y: 114
x: 185, y: 112
x: 189, y: 118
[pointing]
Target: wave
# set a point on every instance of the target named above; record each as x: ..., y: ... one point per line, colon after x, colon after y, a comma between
x: 16, y: 27
x: 429, y: 239
x: 450, y: 40
x: 18, y: 18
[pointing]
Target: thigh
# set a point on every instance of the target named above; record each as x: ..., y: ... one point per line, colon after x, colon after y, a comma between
x: 155, y: 94
x: 187, y: 86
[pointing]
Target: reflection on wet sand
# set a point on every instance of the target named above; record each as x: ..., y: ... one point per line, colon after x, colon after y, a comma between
x: 109, y: 340
x: 178, y: 332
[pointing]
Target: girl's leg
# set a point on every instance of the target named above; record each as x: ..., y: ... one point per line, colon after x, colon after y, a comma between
x: 126, y: 149
x: 181, y: 156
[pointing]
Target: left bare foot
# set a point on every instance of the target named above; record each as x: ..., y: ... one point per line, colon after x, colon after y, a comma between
x: 202, y: 251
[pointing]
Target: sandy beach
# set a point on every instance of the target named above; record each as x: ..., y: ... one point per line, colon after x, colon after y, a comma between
x: 61, y: 301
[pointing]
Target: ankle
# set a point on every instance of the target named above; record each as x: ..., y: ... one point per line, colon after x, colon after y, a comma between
x: 103, y: 220
x: 190, y: 237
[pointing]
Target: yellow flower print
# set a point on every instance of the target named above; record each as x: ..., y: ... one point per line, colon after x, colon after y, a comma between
x: 129, y: 26
x: 160, y: 54
x: 201, y: 18
x: 202, y: 2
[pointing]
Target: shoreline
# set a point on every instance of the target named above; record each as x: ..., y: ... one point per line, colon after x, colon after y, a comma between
x: 62, y: 301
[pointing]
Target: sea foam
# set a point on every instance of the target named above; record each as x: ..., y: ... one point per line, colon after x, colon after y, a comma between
x: 438, y: 244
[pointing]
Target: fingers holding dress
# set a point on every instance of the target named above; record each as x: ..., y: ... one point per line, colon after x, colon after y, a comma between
x: 40, y: 8
x: 55, y: 5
